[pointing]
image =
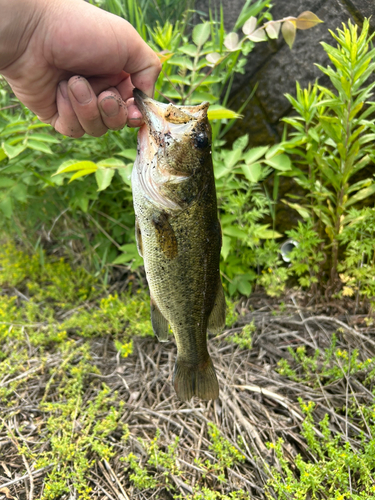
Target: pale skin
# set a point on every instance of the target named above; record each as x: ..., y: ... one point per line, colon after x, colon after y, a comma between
x: 75, y: 65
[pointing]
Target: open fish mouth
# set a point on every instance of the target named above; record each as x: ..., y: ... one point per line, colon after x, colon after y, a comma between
x: 164, y: 125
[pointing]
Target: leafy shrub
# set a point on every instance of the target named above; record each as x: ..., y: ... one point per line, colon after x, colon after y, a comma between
x: 332, y: 143
x: 93, y: 216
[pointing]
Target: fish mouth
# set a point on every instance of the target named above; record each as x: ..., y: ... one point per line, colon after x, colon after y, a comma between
x: 163, y: 123
x: 153, y: 113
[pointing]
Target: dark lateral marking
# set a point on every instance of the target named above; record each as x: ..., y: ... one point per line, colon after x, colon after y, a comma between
x: 165, y: 235
x: 138, y: 238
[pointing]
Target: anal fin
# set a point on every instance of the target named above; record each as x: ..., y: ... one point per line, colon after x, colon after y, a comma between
x: 159, y: 323
x: 216, y: 320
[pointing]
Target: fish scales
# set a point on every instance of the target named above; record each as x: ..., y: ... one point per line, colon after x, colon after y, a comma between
x: 179, y: 236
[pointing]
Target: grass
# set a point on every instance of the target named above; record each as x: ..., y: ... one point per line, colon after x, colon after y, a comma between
x: 87, y: 409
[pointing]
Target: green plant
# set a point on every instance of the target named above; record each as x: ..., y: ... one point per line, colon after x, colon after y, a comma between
x: 333, y: 139
x: 324, y: 367
x: 357, y: 268
x: 244, y: 337
x: 123, y: 317
x: 338, y: 471
x: 305, y: 259
x: 243, y: 203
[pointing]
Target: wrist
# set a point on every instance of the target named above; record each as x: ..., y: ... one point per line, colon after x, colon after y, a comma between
x: 18, y: 21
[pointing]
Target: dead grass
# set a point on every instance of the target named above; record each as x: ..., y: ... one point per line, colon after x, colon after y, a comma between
x: 257, y: 405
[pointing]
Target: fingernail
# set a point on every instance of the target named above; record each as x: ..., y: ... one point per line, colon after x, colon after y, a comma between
x: 110, y: 106
x: 81, y: 91
x: 64, y: 89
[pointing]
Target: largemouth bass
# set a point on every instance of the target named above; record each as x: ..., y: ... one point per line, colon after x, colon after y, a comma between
x: 179, y: 237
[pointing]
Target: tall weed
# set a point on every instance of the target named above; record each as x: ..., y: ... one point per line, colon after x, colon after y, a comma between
x: 332, y: 142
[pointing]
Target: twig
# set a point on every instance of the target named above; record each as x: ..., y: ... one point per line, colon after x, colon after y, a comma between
x: 26, y: 476
x: 30, y: 477
x: 109, y: 468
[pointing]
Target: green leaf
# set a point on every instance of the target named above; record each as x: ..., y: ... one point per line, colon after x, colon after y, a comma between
x: 201, y: 32
x: 190, y: 50
x: 111, y: 163
x: 6, y: 182
x: 267, y: 234
x: 179, y: 79
x: 361, y: 195
x: 104, y: 177
x: 231, y: 158
x: 81, y: 173
x: 217, y: 112
x: 125, y: 173
x: 19, y: 192
x: 83, y: 203
x: 129, y: 248
x: 235, y: 232
x: 280, y: 162
x: 253, y: 154
x: 2, y: 154
x: 37, y: 136
x: 252, y: 172
x: 124, y: 258
x: 244, y: 287
x: 182, y: 62
x: 241, y: 142
x: 73, y: 165
x: 13, y: 151
x: 6, y: 207
x: 304, y: 213
x: 129, y: 254
x: 226, y: 245
x: 130, y: 154
x: 38, y: 146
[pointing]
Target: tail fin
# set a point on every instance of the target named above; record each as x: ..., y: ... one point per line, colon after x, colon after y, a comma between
x: 195, y: 380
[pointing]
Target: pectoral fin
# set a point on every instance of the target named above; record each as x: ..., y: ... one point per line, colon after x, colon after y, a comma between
x: 138, y: 238
x: 216, y: 321
x: 167, y: 240
x: 159, y: 323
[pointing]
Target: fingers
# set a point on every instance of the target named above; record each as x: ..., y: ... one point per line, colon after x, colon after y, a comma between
x: 112, y: 108
x: 80, y: 111
x: 65, y: 121
x: 85, y: 106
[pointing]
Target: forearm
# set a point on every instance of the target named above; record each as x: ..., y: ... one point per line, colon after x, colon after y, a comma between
x: 18, y: 20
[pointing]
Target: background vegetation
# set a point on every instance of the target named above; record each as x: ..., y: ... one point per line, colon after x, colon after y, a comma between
x: 73, y: 295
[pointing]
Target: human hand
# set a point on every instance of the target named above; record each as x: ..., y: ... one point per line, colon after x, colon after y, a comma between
x: 57, y: 40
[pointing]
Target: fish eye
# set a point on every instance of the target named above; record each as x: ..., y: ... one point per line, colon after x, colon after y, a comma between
x: 201, y: 140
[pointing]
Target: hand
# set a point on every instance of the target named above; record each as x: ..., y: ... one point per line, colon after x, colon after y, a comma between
x: 55, y: 41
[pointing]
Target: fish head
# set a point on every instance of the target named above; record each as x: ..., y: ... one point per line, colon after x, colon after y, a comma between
x: 174, y: 151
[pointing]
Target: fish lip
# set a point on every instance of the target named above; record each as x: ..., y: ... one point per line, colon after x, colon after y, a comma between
x: 151, y: 110
x: 139, y: 98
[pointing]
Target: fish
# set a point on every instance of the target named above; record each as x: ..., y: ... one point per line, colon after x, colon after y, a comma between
x: 178, y: 234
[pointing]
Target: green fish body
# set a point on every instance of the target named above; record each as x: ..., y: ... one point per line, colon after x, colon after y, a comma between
x: 179, y: 237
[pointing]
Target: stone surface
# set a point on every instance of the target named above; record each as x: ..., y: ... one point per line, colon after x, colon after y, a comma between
x: 275, y: 68
x: 360, y: 9
x: 281, y: 70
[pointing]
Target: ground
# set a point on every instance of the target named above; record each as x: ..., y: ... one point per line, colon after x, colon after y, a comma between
x: 88, y: 410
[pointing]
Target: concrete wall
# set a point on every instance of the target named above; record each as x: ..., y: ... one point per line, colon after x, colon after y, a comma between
x: 276, y: 68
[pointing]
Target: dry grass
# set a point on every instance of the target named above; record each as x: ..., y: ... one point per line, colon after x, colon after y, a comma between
x: 257, y: 405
